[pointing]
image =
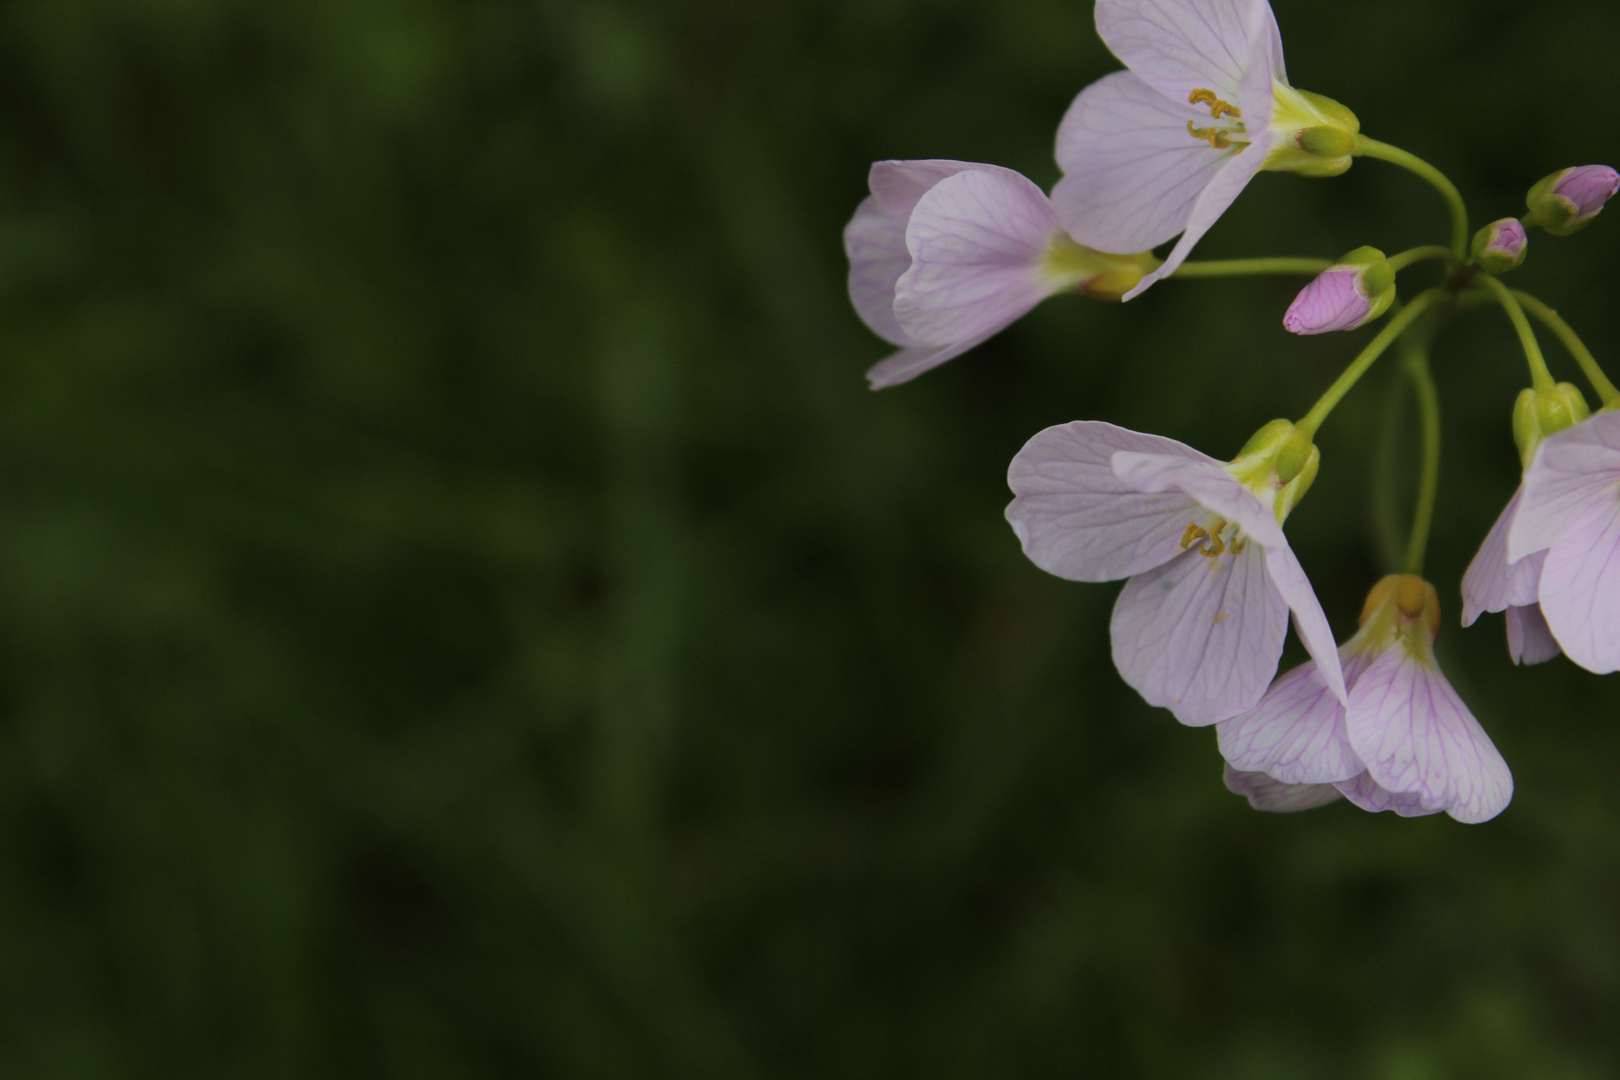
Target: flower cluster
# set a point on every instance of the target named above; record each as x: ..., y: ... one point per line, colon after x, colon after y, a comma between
x: 945, y: 254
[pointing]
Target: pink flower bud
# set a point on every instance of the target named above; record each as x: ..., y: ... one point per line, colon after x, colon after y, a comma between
x: 1565, y: 201
x: 1349, y: 294
x: 1588, y: 188
x: 1500, y: 246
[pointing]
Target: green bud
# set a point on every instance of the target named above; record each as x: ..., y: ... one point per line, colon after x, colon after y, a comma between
x: 1537, y: 415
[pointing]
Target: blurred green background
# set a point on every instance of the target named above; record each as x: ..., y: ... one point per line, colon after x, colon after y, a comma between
x: 463, y: 615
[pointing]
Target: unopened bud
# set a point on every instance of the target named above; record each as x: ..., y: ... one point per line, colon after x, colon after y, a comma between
x: 1351, y: 293
x: 1500, y: 246
x: 1564, y: 202
x: 1537, y: 415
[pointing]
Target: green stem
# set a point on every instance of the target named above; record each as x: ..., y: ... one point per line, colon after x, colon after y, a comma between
x: 1419, y: 254
x: 1372, y: 148
x: 1358, y: 367
x: 1417, y: 369
x: 1245, y: 267
x: 1540, y: 377
x: 1572, y: 341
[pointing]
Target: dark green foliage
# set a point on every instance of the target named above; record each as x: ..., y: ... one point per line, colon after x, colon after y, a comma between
x: 462, y: 614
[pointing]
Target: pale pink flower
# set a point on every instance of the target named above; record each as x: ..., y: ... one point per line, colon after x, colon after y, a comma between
x: 1199, y: 626
x: 1569, y: 514
x: 1405, y: 741
x: 945, y: 254
x: 1165, y: 147
x: 1491, y: 583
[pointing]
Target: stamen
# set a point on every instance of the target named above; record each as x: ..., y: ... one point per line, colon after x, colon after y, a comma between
x: 1217, y: 546
x: 1239, y: 545
x: 1193, y: 534
x: 1217, y: 107
x: 1219, y: 138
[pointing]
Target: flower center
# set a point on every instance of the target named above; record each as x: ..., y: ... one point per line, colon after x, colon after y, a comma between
x: 1223, y: 538
x: 1219, y: 137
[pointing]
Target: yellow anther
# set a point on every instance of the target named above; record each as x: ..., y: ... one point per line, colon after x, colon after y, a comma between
x: 1192, y: 535
x: 1217, y: 546
x: 1219, y: 138
x: 1239, y: 545
x: 1217, y: 107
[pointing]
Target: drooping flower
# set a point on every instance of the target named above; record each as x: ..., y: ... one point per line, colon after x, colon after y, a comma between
x: 1569, y: 199
x: 1165, y: 147
x: 945, y: 254
x: 1493, y: 582
x: 1569, y: 510
x: 1405, y: 741
x: 1199, y: 626
x: 1352, y: 292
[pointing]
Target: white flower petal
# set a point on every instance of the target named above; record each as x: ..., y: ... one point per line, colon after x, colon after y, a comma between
x: 1205, y: 481
x: 875, y: 238
x: 1530, y: 640
x: 1310, y: 622
x: 1132, y: 171
x: 1364, y: 792
x: 1491, y: 583
x: 1222, y: 191
x: 1580, y: 589
x: 1078, y: 520
x: 1200, y: 636
x: 1266, y: 793
x: 977, y: 241
x: 1418, y: 738
x: 1180, y: 46
x: 1295, y: 735
x: 1572, y: 471
x: 907, y: 364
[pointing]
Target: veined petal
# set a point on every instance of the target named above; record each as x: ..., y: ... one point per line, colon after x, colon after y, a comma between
x: 1491, y: 583
x: 1078, y: 520
x: 1222, y: 191
x: 1310, y: 622
x: 1580, y: 589
x: 907, y: 364
x: 1266, y: 793
x: 1132, y: 172
x: 1364, y: 792
x: 1418, y: 738
x: 1179, y: 46
x: 976, y: 241
x: 1200, y: 636
x: 1530, y: 640
x: 1573, y: 471
x: 1205, y: 481
x: 1296, y: 734
x: 875, y: 238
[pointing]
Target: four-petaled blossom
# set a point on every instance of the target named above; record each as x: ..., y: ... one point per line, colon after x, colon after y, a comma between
x: 1491, y: 583
x: 1199, y: 627
x: 1405, y: 742
x: 1568, y: 514
x: 945, y: 254
x: 1165, y: 147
